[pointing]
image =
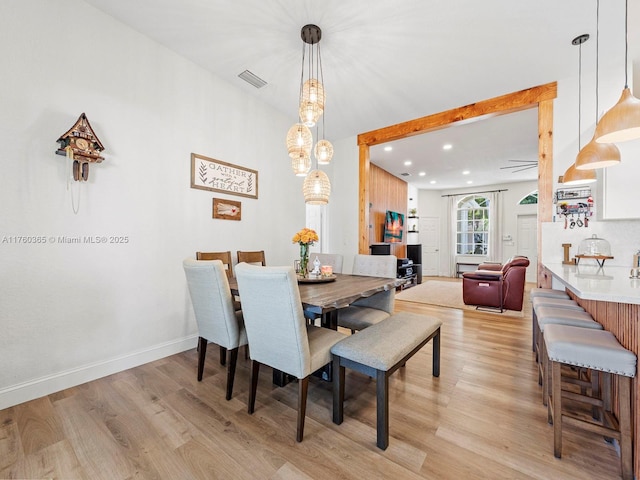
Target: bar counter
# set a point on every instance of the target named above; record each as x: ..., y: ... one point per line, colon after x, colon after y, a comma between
x: 591, y: 282
x: 613, y: 300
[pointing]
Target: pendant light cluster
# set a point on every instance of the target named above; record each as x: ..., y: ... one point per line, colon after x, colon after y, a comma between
x: 316, y: 187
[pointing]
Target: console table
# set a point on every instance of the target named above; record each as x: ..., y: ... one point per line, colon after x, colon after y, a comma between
x: 460, y: 270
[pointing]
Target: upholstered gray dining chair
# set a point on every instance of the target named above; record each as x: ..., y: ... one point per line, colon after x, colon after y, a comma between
x: 278, y: 332
x: 218, y: 321
x: 370, y: 310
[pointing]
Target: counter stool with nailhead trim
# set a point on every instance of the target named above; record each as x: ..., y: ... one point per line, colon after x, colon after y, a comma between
x: 542, y: 301
x: 597, y: 350
x: 558, y: 316
x: 547, y: 292
x: 538, y: 292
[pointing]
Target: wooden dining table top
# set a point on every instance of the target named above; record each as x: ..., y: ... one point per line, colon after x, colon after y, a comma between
x: 322, y: 297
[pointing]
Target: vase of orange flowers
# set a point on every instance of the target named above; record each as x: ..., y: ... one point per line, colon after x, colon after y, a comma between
x: 305, y: 238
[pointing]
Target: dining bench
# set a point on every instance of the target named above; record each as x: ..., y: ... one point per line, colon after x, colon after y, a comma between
x: 378, y: 351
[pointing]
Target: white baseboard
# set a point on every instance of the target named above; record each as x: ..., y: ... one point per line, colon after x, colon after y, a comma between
x: 23, y: 392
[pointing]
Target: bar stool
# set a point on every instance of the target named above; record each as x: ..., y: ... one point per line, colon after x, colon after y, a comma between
x: 542, y: 301
x: 558, y: 316
x: 597, y: 350
x: 539, y: 292
x: 547, y: 292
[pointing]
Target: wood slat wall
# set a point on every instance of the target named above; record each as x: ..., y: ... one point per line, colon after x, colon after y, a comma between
x: 386, y: 192
x: 621, y: 319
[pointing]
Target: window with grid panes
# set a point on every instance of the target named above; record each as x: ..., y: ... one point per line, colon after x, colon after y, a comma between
x: 472, y: 232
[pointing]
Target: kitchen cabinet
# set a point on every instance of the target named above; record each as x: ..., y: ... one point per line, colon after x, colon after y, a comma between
x: 618, y: 188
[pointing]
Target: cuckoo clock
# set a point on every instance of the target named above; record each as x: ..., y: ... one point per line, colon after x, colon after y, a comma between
x: 82, y: 146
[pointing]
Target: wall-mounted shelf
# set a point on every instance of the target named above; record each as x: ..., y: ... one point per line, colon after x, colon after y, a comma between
x: 412, y: 224
x: 574, y: 201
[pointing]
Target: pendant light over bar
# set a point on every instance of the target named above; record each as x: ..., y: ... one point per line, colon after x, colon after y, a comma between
x: 597, y: 155
x: 622, y: 122
x: 573, y: 176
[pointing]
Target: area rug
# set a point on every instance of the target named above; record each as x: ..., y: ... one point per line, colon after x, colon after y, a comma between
x: 445, y: 294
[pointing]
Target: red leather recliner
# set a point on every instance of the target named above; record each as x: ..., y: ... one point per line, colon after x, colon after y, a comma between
x: 496, y: 286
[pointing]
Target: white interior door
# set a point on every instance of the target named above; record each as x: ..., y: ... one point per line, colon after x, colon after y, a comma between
x: 429, y: 228
x: 528, y: 243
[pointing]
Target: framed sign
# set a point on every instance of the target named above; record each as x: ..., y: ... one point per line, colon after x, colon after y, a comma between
x: 217, y: 176
x: 226, y: 209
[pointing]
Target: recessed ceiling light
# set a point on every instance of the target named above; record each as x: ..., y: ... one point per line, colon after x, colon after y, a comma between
x: 432, y: 182
x: 407, y: 163
x: 422, y: 174
x: 469, y: 182
x: 466, y: 172
x: 388, y: 148
x: 447, y: 146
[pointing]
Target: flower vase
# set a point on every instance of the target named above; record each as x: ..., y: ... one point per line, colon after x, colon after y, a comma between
x: 304, y: 259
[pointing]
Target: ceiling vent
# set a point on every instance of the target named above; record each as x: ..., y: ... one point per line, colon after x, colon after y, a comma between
x: 405, y: 174
x: 253, y: 79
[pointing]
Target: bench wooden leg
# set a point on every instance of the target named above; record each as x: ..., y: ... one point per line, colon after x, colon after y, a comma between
x: 382, y: 407
x: 436, y: 354
x: 338, y: 391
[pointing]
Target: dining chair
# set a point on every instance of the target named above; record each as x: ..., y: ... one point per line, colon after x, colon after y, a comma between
x: 218, y: 321
x: 278, y: 332
x: 252, y: 257
x: 224, y: 257
x: 370, y: 310
x: 333, y: 259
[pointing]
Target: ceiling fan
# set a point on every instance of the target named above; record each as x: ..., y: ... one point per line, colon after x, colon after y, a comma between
x: 522, y: 165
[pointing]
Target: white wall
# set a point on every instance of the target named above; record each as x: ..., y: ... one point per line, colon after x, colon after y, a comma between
x: 344, y: 204
x: 73, y: 312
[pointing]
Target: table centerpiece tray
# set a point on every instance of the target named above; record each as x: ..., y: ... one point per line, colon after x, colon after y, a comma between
x: 318, y: 279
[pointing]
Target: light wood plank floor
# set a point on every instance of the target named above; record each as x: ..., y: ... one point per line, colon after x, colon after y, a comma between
x: 481, y: 419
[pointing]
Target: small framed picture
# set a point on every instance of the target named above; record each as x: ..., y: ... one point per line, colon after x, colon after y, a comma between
x: 226, y: 209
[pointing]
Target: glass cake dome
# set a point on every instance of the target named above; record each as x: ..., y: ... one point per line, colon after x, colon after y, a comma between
x: 594, y: 246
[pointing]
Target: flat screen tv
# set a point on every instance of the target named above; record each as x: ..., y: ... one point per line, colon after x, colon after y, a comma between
x: 393, y: 227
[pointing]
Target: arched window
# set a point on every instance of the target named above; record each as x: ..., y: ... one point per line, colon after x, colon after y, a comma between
x: 472, y: 230
x: 530, y: 199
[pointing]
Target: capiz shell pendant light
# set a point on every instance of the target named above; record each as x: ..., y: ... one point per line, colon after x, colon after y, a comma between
x: 299, y: 137
x: 316, y: 188
x: 301, y: 164
x: 622, y: 122
x: 597, y: 155
x: 323, y: 152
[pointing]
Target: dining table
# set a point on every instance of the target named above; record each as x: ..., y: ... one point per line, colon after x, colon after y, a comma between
x: 324, y: 297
